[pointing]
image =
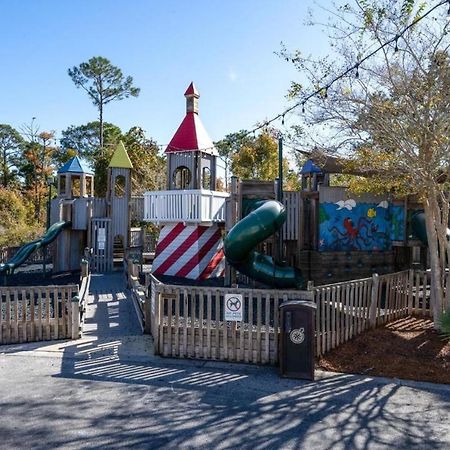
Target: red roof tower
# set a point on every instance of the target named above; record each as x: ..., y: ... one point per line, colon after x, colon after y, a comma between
x: 191, y: 135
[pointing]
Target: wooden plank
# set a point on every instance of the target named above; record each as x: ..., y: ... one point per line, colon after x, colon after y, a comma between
x: 424, y: 283
x: 233, y: 350
x: 161, y: 323
x: 208, y: 326
x: 17, y: 337
x: 323, y: 321
x: 347, y: 312
x: 191, y: 345
x: 184, y: 344
x: 23, y: 322
x: 318, y: 315
x: 338, y: 314
x: 225, y: 333
x: 56, y: 311
x: 258, y: 327
x: 170, y: 304
x: 351, y: 310
x: 358, y: 306
x: 241, y: 353
x: 201, y: 313
x: 266, y: 353
x: 217, y: 321
x: 250, y: 330
x: 276, y: 323
x: 177, y: 351
x: 328, y: 319
x: 32, y: 335
x: 8, y: 317
x: 333, y: 317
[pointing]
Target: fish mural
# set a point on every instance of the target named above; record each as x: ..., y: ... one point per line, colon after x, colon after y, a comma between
x: 350, y: 226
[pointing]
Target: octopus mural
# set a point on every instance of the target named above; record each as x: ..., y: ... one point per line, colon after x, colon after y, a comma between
x: 350, y: 226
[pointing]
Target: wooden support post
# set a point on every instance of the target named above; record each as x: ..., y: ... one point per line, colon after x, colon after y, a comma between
x: 84, y: 268
x: 75, y: 304
x: 148, y: 313
x: 232, y: 218
x: 374, y: 300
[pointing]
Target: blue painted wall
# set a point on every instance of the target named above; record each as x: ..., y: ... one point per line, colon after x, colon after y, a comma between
x: 349, y: 226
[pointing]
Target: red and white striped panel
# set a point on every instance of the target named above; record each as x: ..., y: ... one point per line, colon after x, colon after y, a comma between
x: 190, y: 251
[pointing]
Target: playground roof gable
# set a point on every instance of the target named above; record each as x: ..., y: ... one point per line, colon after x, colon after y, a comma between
x: 310, y: 167
x: 120, y: 158
x: 75, y: 165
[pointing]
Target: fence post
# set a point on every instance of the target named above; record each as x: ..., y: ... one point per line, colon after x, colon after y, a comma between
x: 410, y: 291
x: 374, y: 300
x: 75, y: 317
x: 155, y: 322
x: 84, y: 268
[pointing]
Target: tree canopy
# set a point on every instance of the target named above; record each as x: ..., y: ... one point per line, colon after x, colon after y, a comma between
x: 391, y: 117
x: 104, y: 83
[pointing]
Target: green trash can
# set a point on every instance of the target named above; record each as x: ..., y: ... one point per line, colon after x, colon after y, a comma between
x: 297, y: 341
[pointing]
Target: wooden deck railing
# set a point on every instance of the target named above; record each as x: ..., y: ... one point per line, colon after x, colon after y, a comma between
x: 190, y: 206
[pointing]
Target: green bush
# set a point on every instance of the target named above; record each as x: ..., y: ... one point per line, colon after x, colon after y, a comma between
x: 15, y: 229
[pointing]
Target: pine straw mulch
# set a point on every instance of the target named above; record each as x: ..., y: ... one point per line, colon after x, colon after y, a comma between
x: 408, y: 348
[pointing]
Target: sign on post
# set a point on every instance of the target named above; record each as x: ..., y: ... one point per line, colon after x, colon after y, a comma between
x: 234, y: 307
x: 101, y: 238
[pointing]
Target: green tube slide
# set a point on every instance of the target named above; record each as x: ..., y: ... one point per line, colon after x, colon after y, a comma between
x: 26, y: 250
x: 266, y: 218
x: 419, y: 228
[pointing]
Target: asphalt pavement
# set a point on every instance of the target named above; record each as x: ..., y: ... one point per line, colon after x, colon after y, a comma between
x: 107, y: 390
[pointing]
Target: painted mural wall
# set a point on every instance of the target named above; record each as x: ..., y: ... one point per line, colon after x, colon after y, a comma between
x: 354, y: 225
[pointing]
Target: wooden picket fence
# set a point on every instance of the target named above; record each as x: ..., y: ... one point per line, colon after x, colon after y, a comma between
x: 39, y: 313
x: 346, y: 309
x: 188, y: 321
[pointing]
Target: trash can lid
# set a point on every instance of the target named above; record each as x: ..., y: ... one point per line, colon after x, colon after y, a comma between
x: 299, y: 303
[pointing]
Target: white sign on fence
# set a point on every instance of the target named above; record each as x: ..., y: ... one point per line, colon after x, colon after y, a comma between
x: 101, y: 238
x: 234, y: 307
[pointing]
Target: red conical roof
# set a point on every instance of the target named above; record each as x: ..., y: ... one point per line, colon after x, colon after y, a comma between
x: 191, y: 134
x: 192, y: 90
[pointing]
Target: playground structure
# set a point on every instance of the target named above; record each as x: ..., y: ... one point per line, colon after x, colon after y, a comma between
x: 321, y: 234
x: 248, y: 241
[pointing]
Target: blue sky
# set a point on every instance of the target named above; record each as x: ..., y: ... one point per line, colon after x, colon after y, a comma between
x: 226, y: 47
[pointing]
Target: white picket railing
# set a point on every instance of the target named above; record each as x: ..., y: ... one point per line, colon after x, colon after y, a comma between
x: 192, y: 206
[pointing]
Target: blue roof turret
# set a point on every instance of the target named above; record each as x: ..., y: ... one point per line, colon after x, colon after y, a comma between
x: 75, y: 165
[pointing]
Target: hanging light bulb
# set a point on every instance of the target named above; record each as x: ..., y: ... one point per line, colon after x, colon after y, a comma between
x: 325, y: 95
x: 448, y: 12
x: 303, y: 107
x: 357, y: 71
x: 282, y: 119
x: 396, y: 45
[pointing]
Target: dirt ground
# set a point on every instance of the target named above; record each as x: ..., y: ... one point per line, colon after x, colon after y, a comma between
x: 408, y: 348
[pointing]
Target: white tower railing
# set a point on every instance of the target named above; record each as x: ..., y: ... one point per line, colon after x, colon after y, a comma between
x: 190, y: 206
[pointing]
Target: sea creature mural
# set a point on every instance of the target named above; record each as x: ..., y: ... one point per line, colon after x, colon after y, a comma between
x: 347, y: 204
x: 348, y: 226
x: 397, y: 222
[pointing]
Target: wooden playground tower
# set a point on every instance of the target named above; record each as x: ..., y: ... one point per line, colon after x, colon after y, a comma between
x: 98, y: 225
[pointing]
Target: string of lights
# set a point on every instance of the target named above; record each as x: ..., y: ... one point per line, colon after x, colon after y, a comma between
x: 323, y: 89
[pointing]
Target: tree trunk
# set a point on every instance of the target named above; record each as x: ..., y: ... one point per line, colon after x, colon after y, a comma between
x: 436, y: 298
x: 100, y: 108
